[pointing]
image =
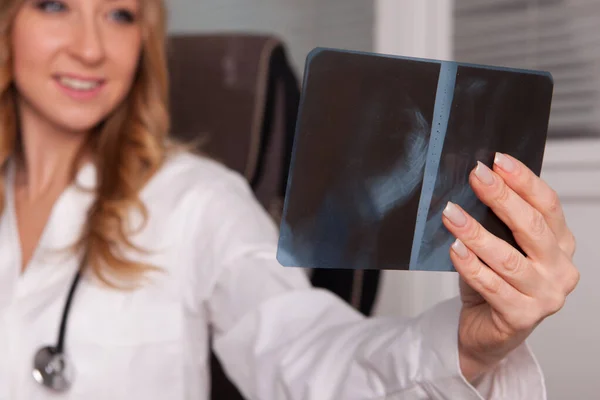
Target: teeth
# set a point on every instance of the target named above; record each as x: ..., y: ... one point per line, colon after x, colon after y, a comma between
x: 78, y: 84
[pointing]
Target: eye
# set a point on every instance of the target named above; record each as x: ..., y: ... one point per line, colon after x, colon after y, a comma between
x: 51, y: 6
x: 123, y: 16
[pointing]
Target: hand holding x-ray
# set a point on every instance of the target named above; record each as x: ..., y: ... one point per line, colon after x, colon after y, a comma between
x: 505, y: 293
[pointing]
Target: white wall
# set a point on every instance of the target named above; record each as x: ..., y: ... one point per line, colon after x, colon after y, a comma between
x: 566, y: 344
x: 303, y: 24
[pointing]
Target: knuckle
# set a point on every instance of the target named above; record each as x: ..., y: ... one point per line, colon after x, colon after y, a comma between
x: 475, y: 236
x: 512, y: 261
x: 572, y: 279
x: 503, y: 193
x: 567, y: 243
x: 492, y: 283
x: 575, y: 280
x: 528, y: 179
x: 554, y: 204
x: 553, y: 303
x: 537, y: 224
x: 571, y: 245
x: 475, y: 274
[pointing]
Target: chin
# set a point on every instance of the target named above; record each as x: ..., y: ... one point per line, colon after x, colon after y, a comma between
x: 76, y: 127
x: 79, y: 123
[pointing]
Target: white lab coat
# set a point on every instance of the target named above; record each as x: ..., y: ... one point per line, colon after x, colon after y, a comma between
x: 278, y: 338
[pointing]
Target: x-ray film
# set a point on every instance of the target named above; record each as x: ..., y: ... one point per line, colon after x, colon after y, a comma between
x: 383, y: 143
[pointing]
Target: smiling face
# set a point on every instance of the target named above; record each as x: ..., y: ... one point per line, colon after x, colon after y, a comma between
x: 74, y: 61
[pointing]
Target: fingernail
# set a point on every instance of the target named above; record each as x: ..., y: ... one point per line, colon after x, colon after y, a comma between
x: 460, y: 249
x: 504, y: 162
x: 455, y: 215
x: 484, y: 174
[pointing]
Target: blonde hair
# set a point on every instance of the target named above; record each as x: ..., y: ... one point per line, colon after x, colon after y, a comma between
x: 129, y: 146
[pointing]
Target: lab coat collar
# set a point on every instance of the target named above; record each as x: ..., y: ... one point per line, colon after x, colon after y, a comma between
x: 87, y: 177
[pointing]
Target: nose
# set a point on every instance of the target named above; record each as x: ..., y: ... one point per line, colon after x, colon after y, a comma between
x: 87, y: 44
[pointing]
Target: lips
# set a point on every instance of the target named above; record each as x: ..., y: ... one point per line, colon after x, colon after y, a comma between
x: 78, y: 87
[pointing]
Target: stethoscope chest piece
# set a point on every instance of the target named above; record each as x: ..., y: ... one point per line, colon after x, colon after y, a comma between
x: 52, y: 369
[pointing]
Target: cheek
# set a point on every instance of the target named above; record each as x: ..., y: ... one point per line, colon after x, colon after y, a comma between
x: 125, y: 55
x: 31, y: 53
x: 27, y: 55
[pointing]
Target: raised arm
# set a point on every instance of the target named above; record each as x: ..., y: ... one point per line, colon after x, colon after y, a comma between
x: 280, y: 339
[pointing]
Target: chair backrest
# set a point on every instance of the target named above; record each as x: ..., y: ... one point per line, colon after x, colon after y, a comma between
x: 239, y: 94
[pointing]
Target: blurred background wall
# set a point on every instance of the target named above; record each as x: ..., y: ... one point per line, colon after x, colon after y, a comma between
x: 561, y: 36
x: 303, y: 24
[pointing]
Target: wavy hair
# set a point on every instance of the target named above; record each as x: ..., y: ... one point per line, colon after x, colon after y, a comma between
x: 129, y: 146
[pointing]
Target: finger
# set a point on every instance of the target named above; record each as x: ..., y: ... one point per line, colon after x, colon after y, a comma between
x: 468, y: 295
x: 504, y: 259
x: 539, y: 194
x: 527, y: 224
x: 517, y: 311
x: 495, y: 290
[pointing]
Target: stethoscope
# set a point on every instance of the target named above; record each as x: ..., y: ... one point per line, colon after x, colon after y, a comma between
x: 51, y: 367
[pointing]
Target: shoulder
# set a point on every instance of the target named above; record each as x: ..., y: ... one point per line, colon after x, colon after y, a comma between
x: 185, y: 174
x: 202, y: 189
x: 212, y: 203
x: 192, y: 170
x: 205, y: 200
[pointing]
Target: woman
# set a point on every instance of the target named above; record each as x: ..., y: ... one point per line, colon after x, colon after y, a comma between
x: 174, y: 245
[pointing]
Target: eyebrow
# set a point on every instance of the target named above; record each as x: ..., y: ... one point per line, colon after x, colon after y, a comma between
x: 121, y: 1
x: 136, y: 3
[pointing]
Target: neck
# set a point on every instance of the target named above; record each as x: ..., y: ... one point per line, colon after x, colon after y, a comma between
x: 48, y: 154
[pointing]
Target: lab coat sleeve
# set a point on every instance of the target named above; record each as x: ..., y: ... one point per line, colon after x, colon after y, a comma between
x: 280, y: 339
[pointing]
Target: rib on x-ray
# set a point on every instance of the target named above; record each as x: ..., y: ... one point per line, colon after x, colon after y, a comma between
x: 383, y: 143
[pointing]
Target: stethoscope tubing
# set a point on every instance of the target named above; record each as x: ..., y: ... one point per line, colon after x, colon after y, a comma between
x: 50, y: 367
